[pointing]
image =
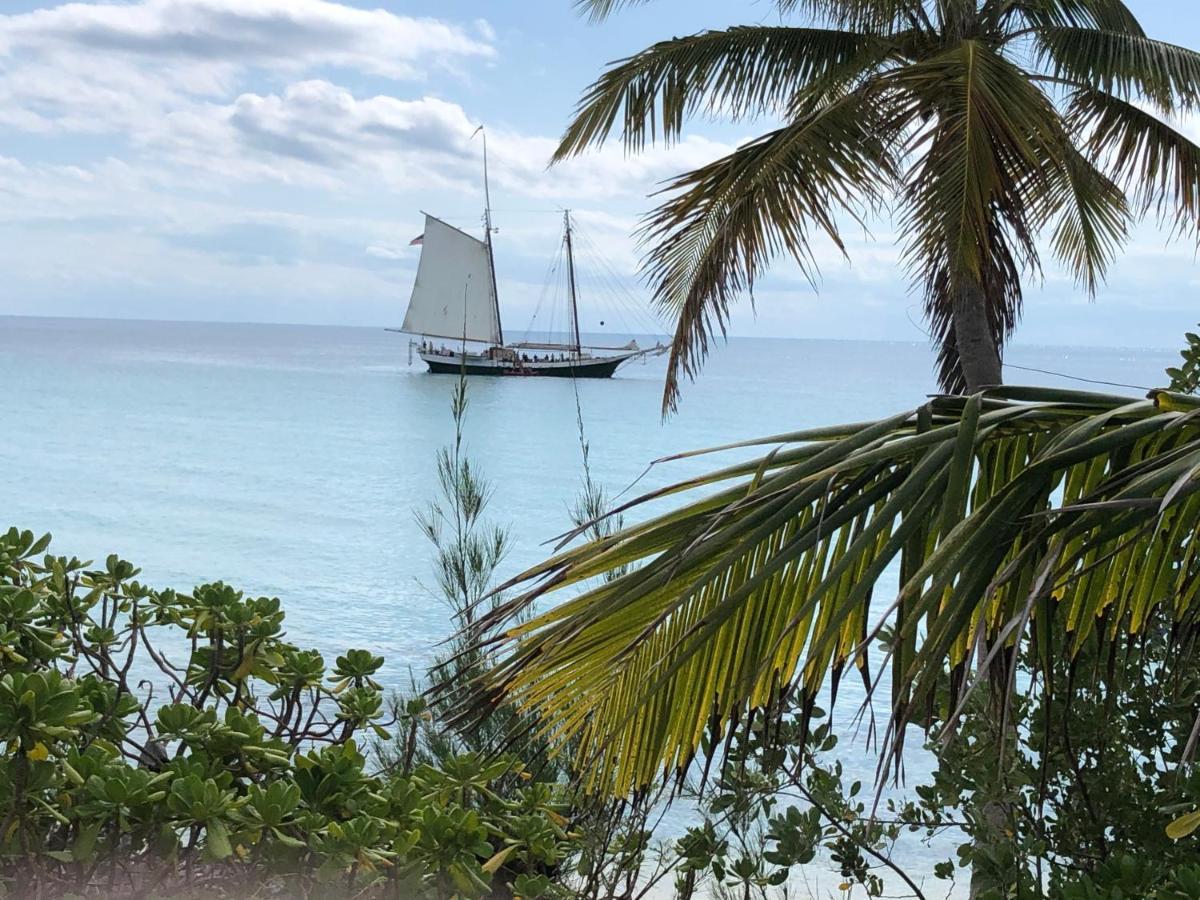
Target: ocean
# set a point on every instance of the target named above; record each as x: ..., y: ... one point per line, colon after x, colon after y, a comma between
x: 290, y: 460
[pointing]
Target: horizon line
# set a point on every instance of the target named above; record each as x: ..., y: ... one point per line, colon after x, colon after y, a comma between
x: 736, y: 337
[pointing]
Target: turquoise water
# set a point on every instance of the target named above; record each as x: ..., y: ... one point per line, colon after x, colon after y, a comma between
x: 289, y: 461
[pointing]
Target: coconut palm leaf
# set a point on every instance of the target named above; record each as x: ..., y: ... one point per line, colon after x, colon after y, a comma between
x: 1009, y: 512
x: 841, y: 13
x: 1125, y: 65
x: 994, y: 138
x: 744, y: 71
x: 980, y: 169
x: 863, y: 15
x: 725, y: 222
x: 1106, y: 15
x: 1155, y: 164
x: 1091, y: 219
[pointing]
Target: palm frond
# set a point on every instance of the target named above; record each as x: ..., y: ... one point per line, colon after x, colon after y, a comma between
x: 857, y: 14
x: 1010, y: 511
x: 1124, y: 65
x: 877, y: 16
x: 1106, y: 15
x: 1090, y: 219
x: 599, y: 10
x: 742, y: 71
x: 981, y: 167
x: 1156, y: 165
x: 725, y: 222
x: 988, y: 149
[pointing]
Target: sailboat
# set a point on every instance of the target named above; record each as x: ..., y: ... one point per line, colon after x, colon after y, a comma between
x: 454, y: 298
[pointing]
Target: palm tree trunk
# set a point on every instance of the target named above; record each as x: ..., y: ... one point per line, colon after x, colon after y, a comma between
x: 973, y: 334
x: 981, y: 367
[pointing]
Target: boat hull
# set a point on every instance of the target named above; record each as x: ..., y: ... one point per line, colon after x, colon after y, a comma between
x: 572, y: 368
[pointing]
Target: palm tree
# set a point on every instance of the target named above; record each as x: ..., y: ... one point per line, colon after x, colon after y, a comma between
x: 991, y: 128
x: 1021, y: 519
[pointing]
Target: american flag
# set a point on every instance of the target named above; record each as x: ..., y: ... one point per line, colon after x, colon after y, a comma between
x: 419, y: 239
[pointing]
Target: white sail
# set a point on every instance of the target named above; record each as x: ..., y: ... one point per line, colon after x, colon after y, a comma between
x: 453, y: 296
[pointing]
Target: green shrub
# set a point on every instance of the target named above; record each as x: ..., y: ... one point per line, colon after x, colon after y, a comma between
x: 240, y: 765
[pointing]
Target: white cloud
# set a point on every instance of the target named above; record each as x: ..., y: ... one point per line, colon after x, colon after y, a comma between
x: 282, y: 34
x: 129, y: 68
x: 179, y: 85
x: 319, y: 123
x: 428, y: 143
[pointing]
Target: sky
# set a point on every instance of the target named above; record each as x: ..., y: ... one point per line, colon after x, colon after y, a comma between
x: 268, y: 161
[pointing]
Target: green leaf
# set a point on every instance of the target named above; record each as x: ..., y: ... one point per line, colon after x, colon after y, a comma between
x: 217, y: 843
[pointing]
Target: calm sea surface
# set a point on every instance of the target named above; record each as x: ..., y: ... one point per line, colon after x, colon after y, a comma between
x: 289, y: 460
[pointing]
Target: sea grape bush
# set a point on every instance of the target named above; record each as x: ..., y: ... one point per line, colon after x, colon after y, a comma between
x: 1185, y: 378
x: 1106, y: 808
x: 244, y: 764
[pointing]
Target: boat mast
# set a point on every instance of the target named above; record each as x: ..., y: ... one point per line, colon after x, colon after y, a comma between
x: 571, y: 281
x: 487, y: 227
